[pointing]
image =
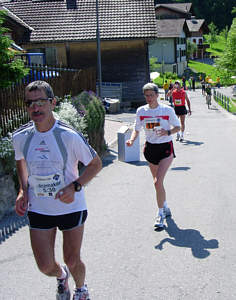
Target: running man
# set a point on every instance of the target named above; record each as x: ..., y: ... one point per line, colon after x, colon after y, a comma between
x: 166, y: 89
x: 47, y: 153
x: 208, y: 95
x: 159, y: 122
x: 180, y: 96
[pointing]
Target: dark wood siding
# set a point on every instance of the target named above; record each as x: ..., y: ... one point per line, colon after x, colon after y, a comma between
x: 126, y: 62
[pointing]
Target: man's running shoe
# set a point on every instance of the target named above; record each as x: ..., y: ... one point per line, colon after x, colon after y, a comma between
x: 63, y: 292
x: 167, y: 212
x: 178, y: 137
x: 159, y: 222
x: 181, y: 138
x: 81, y: 294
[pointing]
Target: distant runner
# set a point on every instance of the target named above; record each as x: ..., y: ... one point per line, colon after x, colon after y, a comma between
x: 179, y: 98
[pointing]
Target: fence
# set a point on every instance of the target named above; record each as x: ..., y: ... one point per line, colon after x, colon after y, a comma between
x: 64, y: 81
x: 225, y: 101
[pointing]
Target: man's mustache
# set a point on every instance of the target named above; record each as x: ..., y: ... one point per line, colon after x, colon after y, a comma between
x: 37, y: 113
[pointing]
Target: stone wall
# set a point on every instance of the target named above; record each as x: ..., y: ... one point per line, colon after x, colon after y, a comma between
x: 7, y: 193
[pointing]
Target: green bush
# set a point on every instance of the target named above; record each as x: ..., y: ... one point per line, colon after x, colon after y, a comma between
x: 7, y: 157
x: 88, y: 104
x: 170, y: 75
x: 67, y: 113
x: 11, y: 69
x: 153, y: 64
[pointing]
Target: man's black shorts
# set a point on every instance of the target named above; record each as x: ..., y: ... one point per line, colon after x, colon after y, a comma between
x: 63, y: 222
x: 154, y: 153
x: 180, y: 110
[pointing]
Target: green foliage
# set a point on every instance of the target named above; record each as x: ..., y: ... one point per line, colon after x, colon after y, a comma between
x: 212, y: 36
x: 7, y: 157
x: 224, y: 33
x: 165, y: 76
x: 91, y: 107
x: 67, y: 113
x: 10, y: 70
x: 170, y: 75
x: 191, y: 48
x: 7, y: 154
x: 217, y: 48
x: 154, y: 66
x: 228, y: 60
x: 212, y: 71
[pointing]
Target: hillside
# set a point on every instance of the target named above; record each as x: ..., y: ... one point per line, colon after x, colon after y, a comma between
x: 216, y: 11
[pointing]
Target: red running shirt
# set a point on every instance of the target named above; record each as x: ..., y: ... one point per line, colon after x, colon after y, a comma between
x: 179, y: 97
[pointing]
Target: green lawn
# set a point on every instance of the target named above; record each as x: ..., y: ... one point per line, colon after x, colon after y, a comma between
x: 199, y: 67
x: 217, y: 49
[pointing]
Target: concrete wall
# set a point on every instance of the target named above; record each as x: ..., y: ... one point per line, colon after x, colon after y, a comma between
x: 163, y: 49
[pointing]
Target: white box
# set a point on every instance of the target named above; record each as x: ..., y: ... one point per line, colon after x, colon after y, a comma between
x: 126, y: 153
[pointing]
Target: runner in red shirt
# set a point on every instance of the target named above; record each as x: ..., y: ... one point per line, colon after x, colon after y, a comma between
x: 179, y: 97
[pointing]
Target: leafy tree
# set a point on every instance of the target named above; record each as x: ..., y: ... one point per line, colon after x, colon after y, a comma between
x: 224, y: 32
x: 212, y: 36
x: 10, y: 70
x: 191, y: 48
x: 228, y: 60
x: 153, y: 64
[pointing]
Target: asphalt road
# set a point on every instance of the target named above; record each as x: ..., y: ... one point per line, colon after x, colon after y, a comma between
x: 192, y: 258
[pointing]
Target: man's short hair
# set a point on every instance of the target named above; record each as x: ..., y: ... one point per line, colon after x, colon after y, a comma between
x: 150, y: 86
x: 42, y: 86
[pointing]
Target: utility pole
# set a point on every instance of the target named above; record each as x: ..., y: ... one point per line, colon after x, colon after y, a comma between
x: 99, y: 67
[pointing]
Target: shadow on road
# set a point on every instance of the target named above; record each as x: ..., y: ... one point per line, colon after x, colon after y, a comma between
x: 109, y: 157
x: 187, y: 142
x: 213, y: 108
x: 138, y: 163
x: 180, y: 168
x: 188, y: 238
x: 10, y: 224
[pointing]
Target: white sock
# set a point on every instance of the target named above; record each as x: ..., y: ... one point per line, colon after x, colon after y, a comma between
x: 161, y: 211
x: 165, y: 204
x: 63, y: 274
x: 182, y: 133
x: 83, y: 288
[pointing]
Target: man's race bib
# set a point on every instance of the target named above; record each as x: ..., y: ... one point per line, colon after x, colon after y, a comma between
x: 153, y: 123
x: 46, y: 186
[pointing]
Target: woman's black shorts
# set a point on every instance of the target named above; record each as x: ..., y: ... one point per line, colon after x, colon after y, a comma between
x: 180, y: 110
x: 154, y: 153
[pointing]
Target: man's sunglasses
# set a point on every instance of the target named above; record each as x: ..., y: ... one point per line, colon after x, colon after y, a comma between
x: 39, y: 102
